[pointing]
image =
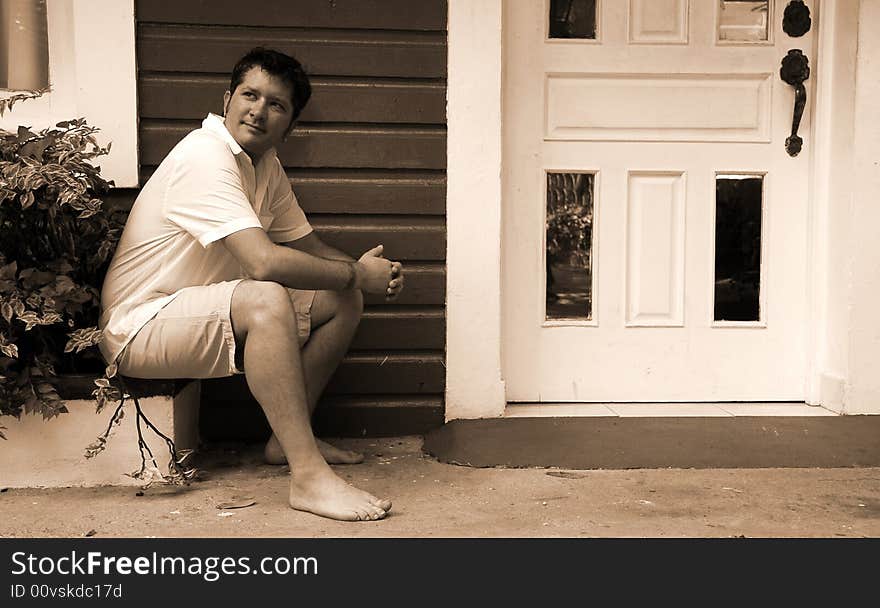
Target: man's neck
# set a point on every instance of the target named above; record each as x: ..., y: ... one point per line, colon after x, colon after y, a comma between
x: 255, y: 158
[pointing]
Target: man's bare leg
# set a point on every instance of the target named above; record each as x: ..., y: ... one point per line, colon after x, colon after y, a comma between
x: 264, y: 321
x: 335, y: 317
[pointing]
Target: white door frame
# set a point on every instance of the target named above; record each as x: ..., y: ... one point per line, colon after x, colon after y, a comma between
x: 474, y: 388
x: 474, y: 380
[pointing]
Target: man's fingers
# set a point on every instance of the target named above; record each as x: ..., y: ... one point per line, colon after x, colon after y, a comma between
x: 375, y: 252
x: 395, y: 285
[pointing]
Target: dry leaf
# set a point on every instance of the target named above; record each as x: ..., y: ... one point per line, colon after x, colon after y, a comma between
x: 237, y: 502
x: 566, y: 474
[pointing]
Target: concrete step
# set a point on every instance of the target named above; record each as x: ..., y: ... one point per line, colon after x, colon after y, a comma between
x: 616, y: 442
x: 51, y: 453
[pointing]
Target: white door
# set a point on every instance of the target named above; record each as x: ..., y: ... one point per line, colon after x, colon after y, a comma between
x: 646, y: 177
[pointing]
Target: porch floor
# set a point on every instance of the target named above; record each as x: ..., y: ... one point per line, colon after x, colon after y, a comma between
x: 433, y: 499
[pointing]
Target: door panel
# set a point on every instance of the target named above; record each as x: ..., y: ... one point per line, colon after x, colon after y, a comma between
x: 693, y: 287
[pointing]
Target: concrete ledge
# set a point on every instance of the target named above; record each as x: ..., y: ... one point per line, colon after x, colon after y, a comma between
x: 636, y: 443
x: 50, y: 453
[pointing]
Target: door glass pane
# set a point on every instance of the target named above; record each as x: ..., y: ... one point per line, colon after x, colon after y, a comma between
x: 569, y: 245
x: 738, y: 202
x: 573, y: 19
x: 743, y: 20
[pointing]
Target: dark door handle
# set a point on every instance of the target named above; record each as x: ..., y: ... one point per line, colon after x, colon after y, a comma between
x: 795, y: 70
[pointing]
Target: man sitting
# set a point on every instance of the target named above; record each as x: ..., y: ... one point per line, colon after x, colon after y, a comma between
x: 218, y: 272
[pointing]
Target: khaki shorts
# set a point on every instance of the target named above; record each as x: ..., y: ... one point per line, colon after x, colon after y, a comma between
x: 192, y: 336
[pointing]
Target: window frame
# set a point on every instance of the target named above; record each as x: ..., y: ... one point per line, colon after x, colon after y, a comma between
x: 92, y: 74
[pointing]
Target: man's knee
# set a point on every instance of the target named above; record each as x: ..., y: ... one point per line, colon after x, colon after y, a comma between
x: 348, y: 305
x: 261, y: 303
x: 345, y: 305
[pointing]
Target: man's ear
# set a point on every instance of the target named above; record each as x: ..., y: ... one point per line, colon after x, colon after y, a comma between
x: 289, y: 130
x: 226, y: 97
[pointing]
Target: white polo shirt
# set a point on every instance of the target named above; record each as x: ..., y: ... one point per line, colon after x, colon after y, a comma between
x: 206, y: 189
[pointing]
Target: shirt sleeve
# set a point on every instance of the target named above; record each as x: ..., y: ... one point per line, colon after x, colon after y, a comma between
x: 289, y: 221
x: 204, y: 195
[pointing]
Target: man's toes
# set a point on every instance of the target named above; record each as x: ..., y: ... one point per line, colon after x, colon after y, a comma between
x: 377, y: 514
x: 382, y: 503
x: 352, y: 516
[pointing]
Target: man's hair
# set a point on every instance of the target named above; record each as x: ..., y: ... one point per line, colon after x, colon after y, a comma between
x: 281, y: 66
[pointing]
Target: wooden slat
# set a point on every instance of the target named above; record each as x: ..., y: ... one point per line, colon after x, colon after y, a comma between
x: 367, y: 14
x: 401, y: 328
x: 340, y: 192
x: 419, y: 373
x: 215, y: 50
x: 385, y: 416
x: 399, y: 246
x: 404, y: 238
x: 391, y: 372
x: 396, y: 148
x: 311, y: 146
x: 425, y: 286
x: 374, y: 192
x: 179, y: 97
x: 336, y: 416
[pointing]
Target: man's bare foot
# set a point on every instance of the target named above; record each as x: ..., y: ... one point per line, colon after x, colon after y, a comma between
x: 324, y: 493
x: 273, y: 453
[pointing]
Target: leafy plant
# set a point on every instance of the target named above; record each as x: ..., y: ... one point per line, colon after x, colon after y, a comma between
x: 6, y: 103
x: 56, y: 240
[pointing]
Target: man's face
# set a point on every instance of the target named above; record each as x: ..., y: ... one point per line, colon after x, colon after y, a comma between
x: 258, y: 112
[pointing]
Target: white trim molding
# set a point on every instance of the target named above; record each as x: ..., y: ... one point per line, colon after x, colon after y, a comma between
x: 831, y: 201
x: 845, y: 330
x: 474, y: 388
x: 862, y: 392
x: 92, y: 74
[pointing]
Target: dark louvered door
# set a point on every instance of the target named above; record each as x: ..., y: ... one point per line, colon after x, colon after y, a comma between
x: 367, y: 163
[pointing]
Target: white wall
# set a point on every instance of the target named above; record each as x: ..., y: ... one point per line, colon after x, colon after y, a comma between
x: 862, y: 393
x: 833, y: 192
x: 848, y: 182
x: 474, y: 388
x: 92, y: 74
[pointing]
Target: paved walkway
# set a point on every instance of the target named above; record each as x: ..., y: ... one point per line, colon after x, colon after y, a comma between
x: 432, y: 499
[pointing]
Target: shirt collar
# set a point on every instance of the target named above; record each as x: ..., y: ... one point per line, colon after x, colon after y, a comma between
x: 214, y: 124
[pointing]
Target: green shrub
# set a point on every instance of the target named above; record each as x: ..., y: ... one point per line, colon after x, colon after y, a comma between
x: 56, y: 239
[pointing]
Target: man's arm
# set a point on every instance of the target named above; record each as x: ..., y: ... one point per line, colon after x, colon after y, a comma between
x: 313, y: 245
x: 264, y: 260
